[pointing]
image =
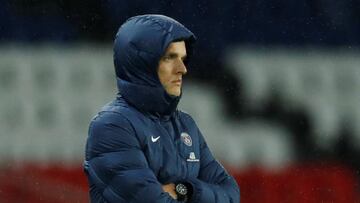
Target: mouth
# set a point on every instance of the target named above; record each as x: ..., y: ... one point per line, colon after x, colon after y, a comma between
x: 177, y: 82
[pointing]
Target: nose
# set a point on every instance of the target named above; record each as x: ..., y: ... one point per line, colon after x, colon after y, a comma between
x: 181, y: 68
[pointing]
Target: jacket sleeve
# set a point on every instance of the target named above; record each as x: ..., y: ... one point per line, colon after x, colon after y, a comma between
x: 214, y: 184
x: 116, y: 167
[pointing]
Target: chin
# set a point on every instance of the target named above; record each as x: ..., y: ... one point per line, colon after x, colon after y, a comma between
x: 174, y: 93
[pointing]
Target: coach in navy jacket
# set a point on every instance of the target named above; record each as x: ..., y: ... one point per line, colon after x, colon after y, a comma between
x: 140, y: 146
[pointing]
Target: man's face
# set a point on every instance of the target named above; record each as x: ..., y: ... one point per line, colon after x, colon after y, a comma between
x: 172, y: 68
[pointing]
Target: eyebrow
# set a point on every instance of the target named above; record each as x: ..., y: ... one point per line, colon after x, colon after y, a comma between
x: 174, y: 54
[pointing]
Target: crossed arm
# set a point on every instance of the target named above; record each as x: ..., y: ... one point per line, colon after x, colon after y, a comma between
x: 118, y: 171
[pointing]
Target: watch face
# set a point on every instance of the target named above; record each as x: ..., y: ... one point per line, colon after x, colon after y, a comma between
x: 181, y: 189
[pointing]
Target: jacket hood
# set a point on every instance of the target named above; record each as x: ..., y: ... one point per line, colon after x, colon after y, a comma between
x: 139, y: 44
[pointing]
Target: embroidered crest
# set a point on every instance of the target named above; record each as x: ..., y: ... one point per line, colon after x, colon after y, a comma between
x: 192, y: 155
x: 186, y: 139
x: 192, y: 158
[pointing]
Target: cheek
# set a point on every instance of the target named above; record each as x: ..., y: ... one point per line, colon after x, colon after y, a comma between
x: 164, y: 74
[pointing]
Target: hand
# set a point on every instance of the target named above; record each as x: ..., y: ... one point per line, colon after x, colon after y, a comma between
x: 170, y: 188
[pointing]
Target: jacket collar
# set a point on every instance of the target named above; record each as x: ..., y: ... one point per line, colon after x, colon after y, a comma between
x: 153, y: 100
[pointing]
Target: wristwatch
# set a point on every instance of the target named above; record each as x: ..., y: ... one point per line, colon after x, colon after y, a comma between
x: 182, y: 192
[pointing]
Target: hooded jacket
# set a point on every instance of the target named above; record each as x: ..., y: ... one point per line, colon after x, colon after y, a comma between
x: 141, y: 141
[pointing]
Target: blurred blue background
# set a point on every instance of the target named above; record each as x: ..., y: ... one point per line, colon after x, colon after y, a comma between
x: 274, y: 86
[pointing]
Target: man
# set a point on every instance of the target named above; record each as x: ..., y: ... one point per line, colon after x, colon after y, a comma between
x: 140, y: 147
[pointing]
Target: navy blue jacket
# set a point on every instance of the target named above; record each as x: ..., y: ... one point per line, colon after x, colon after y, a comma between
x: 140, y: 141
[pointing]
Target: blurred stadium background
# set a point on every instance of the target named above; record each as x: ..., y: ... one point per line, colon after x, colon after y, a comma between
x: 274, y: 86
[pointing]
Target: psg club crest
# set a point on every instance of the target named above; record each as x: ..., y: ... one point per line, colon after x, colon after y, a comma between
x: 186, y: 139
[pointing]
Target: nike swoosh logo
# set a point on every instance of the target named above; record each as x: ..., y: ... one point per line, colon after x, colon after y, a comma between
x: 155, y: 139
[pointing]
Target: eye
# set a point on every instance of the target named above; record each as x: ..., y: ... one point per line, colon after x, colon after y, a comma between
x: 169, y: 56
x: 166, y: 58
